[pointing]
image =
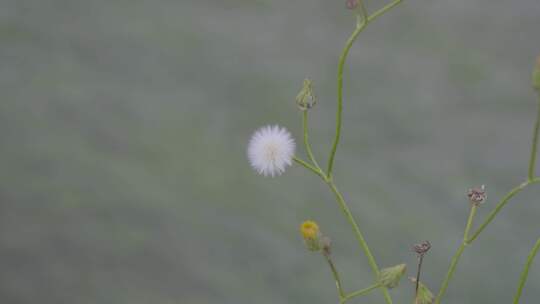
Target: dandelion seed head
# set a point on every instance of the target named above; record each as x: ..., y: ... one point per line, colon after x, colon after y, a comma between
x: 271, y: 150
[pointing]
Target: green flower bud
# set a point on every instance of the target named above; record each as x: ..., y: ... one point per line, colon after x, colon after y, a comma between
x: 424, y: 295
x: 389, y: 277
x: 305, y: 99
x: 311, y: 235
x: 313, y: 244
x: 536, y: 75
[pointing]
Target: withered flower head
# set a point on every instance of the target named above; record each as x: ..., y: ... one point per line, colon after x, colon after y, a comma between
x: 326, y: 244
x: 477, y: 195
x: 422, y: 248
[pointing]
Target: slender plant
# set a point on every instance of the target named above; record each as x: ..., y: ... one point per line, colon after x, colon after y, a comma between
x: 272, y: 149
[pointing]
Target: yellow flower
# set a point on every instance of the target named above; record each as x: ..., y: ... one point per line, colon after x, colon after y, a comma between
x: 309, y: 230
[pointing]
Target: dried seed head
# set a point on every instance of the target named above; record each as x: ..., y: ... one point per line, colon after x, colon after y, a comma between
x: 422, y: 248
x: 477, y: 195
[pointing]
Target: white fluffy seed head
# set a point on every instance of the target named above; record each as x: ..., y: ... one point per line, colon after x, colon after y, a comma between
x: 271, y: 150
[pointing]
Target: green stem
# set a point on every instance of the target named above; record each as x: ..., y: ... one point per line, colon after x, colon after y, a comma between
x: 336, y: 276
x: 309, y: 167
x: 360, y: 292
x: 363, y: 10
x: 467, y: 241
x: 525, y: 273
x: 532, y: 162
x: 358, y: 233
x: 499, y: 207
x: 360, y: 26
x: 383, y: 10
x: 306, y: 139
x: 343, y: 57
x: 359, y: 236
x: 457, y: 255
x: 450, y: 273
x: 474, y: 208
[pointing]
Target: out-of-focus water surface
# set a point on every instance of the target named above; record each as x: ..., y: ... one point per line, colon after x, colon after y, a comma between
x: 123, y: 128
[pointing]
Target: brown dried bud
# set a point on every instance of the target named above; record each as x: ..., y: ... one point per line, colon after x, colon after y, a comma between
x: 326, y: 245
x: 422, y: 248
x: 351, y: 4
x: 477, y: 195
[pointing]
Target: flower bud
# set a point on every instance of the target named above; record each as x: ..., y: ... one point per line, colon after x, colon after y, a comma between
x: 389, y: 277
x: 311, y: 235
x: 305, y: 99
x: 536, y: 75
x: 424, y: 295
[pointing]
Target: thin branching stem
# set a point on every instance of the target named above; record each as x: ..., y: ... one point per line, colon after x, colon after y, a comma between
x: 534, y: 146
x: 450, y: 273
x: 360, y: 26
x: 489, y: 219
x: 500, y: 206
x: 383, y: 10
x: 531, y: 179
x: 306, y: 140
x: 337, y: 278
x: 360, y: 292
x: 474, y: 208
x: 525, y: 273
x: 309, y: 167
x: 359, y: 235
x: 457, y: 255
x: 343, y: 297
x: 363, y: 10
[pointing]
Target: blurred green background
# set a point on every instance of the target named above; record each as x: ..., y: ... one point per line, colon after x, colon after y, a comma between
x: 124, y: 124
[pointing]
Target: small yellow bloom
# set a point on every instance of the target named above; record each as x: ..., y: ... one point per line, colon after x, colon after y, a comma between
x: 309, y: 230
